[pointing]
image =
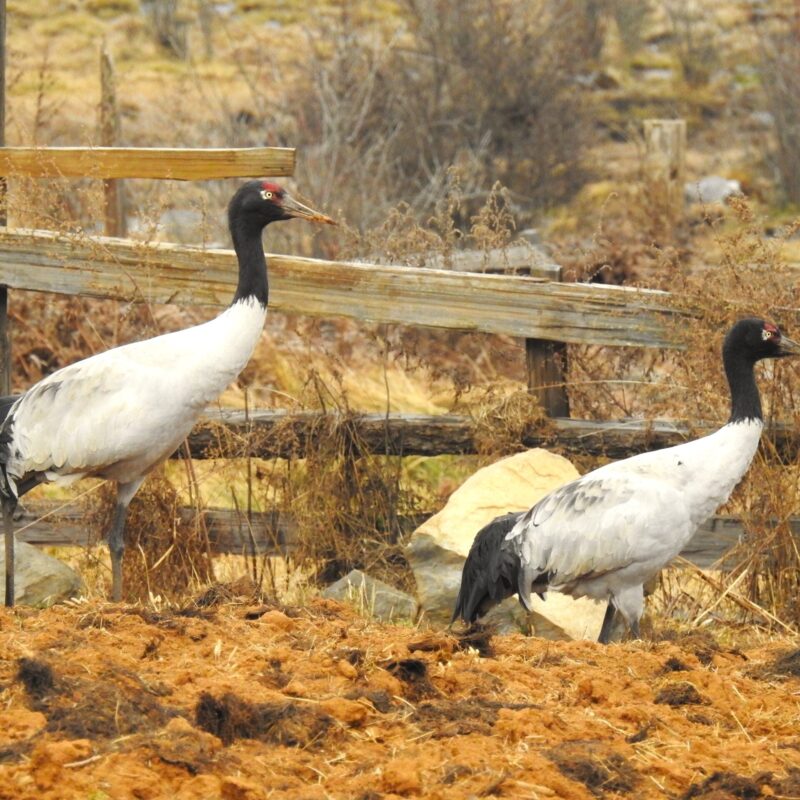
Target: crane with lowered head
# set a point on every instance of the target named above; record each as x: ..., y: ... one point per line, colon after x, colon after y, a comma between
x: 605, y: 534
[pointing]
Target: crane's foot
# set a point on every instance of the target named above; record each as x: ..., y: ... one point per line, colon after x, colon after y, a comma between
x: 116, y: 580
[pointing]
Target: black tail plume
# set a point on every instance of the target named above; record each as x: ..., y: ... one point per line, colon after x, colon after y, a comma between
x: 5, y: 441
x: 490, y: 571
x: 5, y: 405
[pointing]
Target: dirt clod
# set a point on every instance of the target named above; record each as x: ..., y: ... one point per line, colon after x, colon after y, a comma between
x: 641, y: 734
x: 479, y: 637
x: 594, y: 765
x: 673, y: 664
x: 231, y: 718
x: 380, y: 700
x: 414, y: 675
x: 788, y: 664
x: 36, y: 676
x: 103, y: 710
x: 183, y: 746
x: 680, y: 694
x: 724, y: 785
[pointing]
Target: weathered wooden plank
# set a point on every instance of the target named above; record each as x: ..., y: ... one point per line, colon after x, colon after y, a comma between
x: 518, y: 258
x: 278, y: 434
x: 168, y: 163
x: 50, y: 524
x: 274, y: 533
x: 503, y: 304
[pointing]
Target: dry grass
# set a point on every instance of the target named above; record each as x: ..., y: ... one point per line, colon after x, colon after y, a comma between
x: 167, y: 552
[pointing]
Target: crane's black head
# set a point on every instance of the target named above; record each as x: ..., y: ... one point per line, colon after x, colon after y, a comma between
x: 752, y: 339
x: 257, y: 203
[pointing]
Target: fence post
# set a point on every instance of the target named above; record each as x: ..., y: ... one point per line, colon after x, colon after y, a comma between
x: 665, y: 167
x: 5, y: 338
x: 115, y: 223
x: 546, y: 364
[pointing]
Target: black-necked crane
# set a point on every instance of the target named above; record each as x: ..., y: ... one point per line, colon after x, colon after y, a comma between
x: 607, y: 533
x: 118, y: 414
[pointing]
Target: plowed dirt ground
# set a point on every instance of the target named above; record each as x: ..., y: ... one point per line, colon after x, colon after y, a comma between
x: 240, y: 701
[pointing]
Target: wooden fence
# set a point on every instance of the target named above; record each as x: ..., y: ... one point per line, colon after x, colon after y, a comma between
x: 272, y: 533
x: 526, y: 307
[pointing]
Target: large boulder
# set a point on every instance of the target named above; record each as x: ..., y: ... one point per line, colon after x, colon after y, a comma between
x: 39, y: 579
x: 372, y: 596
x: 437, y: 549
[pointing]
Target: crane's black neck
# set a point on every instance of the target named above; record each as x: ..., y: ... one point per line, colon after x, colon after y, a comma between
x: 246, y: 235
x: 745, y: 399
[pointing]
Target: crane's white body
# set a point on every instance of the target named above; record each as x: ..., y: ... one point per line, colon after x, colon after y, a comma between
x: 117, y: 414
x: 607, y: 533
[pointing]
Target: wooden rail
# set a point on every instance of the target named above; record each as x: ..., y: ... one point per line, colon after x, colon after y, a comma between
x: 145, y: 162
x: 274, y: 533
x: 517, y: 306
x: 279, y: 434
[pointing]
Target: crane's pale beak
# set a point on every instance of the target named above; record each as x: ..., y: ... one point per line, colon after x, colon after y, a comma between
x: 293, y: 208
x: 786, y: 347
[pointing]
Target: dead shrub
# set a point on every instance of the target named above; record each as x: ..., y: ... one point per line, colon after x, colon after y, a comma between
x: 349, y: 507
x: 693, y: 40
x: 386, y: 114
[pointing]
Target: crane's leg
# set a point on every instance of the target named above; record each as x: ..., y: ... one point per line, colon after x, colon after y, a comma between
x: 630, y: 603
x: 8, y: 526
x: 116, y: 535
x: 608, y: 624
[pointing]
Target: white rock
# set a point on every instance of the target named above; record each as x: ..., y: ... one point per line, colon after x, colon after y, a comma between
x: 437, y: 549
x: 711, y: 189
x: 39, y: 579
x: 372, y: 596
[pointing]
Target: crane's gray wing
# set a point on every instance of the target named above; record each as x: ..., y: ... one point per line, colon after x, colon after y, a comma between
x: 598, y: 524
x: 89, y: 415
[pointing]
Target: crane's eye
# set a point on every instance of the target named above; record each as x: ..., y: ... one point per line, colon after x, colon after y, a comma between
x: 266, y: 194
x: 765, y: 334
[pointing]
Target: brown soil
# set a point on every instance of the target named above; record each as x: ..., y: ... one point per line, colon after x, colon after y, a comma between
x: 242, y: 701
